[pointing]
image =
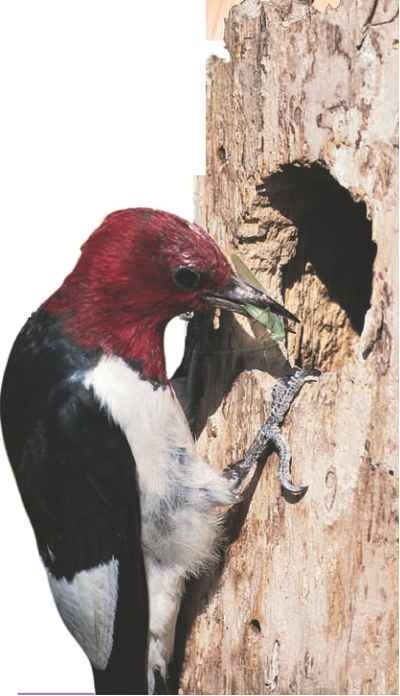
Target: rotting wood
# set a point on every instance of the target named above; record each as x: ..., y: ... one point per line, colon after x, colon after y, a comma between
x: 301, y: 161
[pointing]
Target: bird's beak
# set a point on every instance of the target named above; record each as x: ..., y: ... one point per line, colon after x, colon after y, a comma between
x: 238, y: 293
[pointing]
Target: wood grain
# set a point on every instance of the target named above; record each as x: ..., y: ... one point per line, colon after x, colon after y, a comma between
x: 300, y: 165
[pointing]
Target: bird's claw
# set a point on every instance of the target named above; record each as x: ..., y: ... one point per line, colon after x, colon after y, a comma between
x: 283, y: 394
x: 306, y: 375
x: 289, y: 487
x: 313, y: 374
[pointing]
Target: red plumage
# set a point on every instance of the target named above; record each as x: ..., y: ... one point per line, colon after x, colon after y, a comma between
x: 121, y: 293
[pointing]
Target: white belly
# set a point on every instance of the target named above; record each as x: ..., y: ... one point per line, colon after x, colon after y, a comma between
x: 179, y: 492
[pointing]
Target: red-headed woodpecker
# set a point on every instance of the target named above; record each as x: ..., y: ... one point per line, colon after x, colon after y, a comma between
x: 122, y: 506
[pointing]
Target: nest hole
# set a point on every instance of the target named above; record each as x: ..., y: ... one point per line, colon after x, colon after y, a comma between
x: 328, y: 279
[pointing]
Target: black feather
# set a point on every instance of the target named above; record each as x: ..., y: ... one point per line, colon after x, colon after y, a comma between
x: 77, y: 479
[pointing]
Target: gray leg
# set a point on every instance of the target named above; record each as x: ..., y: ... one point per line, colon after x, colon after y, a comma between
x: 283, y: 394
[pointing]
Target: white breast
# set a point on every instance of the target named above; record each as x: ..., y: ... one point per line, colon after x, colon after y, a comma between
x: 151, y: 418
x: 179, y: 491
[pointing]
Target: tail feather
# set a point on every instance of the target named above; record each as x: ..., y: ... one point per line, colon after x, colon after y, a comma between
x: 115, y: 682
x: 126, y: 671
x: 160, y: 685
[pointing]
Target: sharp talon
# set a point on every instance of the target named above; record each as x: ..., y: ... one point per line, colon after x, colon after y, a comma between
x: 313, y: 375
x: 294, y: 490
x: 311, y: 378
x: 307, y: 372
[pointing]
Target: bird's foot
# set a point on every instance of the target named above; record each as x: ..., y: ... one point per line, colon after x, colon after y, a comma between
x: 280, y: 445
x: 269, y: 436
x: 286, y: 389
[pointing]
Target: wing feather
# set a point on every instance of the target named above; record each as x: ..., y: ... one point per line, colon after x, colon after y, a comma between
x: 77, y: 478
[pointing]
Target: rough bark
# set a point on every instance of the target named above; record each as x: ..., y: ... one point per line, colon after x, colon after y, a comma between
x: 301, y: 183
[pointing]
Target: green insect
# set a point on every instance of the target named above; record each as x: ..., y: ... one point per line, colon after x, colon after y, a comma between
x: 272, y: 322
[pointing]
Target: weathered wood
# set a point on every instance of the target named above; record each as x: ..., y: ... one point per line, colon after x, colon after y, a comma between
x: 301, y: 183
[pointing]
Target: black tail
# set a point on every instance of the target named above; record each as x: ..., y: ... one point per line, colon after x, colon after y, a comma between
x: 114, y: 682
x: 160, y: 685
x: 126, y: 671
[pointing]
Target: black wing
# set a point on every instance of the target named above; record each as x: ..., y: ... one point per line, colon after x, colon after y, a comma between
x: 77, y: 478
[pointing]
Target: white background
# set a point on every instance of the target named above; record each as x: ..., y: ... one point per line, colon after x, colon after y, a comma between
x: 102, y: 107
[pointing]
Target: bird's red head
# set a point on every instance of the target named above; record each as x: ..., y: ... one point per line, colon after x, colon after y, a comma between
x: 139, y: 269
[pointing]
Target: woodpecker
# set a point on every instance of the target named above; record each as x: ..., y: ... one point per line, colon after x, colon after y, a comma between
x: 123, y: 508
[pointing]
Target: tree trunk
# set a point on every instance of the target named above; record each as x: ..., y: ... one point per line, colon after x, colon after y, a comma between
x: 301, y: 184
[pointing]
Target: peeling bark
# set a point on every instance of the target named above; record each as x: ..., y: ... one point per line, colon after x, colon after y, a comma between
x: 301, y: 182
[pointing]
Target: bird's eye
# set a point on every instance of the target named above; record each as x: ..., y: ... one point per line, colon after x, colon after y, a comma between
x: 186, y: 278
